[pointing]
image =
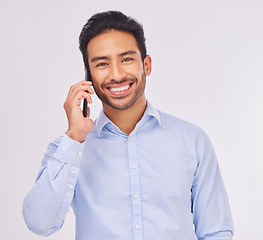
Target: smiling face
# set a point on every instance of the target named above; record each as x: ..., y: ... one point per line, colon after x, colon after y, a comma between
x: 117, y: 71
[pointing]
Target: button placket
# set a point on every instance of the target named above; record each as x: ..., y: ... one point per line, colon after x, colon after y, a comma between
x: 135, y: 187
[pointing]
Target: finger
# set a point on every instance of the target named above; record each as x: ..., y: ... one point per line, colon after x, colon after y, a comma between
x: 80, y: 95
x: 88, y: 97
x: 79, y: 84
x: 83, y: 82
x: 82, y: 88
x: 87, y: 88
x: 88, y: 112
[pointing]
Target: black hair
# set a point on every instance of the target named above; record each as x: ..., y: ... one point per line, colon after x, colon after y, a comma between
x: 106, y: 21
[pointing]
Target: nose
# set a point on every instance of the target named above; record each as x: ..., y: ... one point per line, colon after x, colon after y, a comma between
x: 116, y: 72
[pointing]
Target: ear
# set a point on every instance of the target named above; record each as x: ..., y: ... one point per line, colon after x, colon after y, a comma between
x: 147, y: 63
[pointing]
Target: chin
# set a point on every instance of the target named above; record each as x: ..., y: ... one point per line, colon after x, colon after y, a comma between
x: 120, y: 107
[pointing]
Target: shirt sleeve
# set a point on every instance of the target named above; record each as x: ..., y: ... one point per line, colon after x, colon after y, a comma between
x: 47, y: 203
x: 210, y: 206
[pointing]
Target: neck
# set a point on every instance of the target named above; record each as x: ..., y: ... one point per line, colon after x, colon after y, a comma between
x: 126, y: 120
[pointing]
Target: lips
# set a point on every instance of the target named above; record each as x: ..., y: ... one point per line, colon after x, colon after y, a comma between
x: 120, y: 88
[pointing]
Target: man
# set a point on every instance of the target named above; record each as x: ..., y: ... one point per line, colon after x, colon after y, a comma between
x: 135, y: 173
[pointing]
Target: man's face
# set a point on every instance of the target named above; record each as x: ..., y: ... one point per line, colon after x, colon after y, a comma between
x: 117, y: 71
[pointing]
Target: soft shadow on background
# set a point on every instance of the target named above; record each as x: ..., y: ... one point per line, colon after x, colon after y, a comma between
x: 207, y: 69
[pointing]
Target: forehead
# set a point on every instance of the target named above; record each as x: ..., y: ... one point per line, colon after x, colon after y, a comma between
x: 111, y: 43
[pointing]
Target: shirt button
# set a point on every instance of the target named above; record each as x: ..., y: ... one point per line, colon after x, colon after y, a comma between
x: 71, y: 187
x: 130, y: 139
x: 80, y: 154
x: 137, y: 226
x: 133, y: 166
x: 135, y: 195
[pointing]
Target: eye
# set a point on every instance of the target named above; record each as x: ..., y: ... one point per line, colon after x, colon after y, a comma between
x: 102, y: 64
x: 127, y: 59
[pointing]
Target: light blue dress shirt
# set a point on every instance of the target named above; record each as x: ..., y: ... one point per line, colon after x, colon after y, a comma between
x: 161, y: 182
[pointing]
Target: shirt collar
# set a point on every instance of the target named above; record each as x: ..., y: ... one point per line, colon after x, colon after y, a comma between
x: 103, y: 120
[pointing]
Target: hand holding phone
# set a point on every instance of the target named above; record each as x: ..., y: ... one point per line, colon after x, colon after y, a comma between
x: 79, y: 126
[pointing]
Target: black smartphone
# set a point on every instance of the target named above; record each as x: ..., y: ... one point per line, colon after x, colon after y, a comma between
x: 85, y: 103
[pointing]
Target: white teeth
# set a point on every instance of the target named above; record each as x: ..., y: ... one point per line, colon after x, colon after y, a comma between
x: 119, y: 89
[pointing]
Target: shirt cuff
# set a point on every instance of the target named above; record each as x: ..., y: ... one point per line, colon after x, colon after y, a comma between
x: 69, y: 151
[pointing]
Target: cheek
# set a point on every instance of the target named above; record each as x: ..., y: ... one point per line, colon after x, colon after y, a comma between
x: 141, y: 68
x: 135, y: 70
x: 141, y: 72
x: 98, y: 77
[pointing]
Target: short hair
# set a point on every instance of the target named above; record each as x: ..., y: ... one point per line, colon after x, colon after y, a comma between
x: 106, y: 21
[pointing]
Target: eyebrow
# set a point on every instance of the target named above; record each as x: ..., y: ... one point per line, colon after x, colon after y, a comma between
x: 120, y: 55
x: 127, y: 53
x: 98, y: 58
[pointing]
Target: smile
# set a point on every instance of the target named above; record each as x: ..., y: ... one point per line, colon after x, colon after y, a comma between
x: 120, y: 89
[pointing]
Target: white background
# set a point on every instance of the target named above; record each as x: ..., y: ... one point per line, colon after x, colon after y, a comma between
x: 207, y: 69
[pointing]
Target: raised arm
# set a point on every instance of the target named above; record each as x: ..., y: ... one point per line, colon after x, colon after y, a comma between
x: 47, y: 203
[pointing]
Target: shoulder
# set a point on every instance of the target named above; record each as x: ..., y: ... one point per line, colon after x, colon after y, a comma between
x: 186, y: 133
x: 178, y: 124
x: 177, y: 127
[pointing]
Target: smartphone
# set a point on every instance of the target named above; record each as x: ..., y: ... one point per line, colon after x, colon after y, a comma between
x: 85, y: 103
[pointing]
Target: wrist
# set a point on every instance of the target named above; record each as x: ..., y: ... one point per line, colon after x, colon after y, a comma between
x: 75, y: 136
